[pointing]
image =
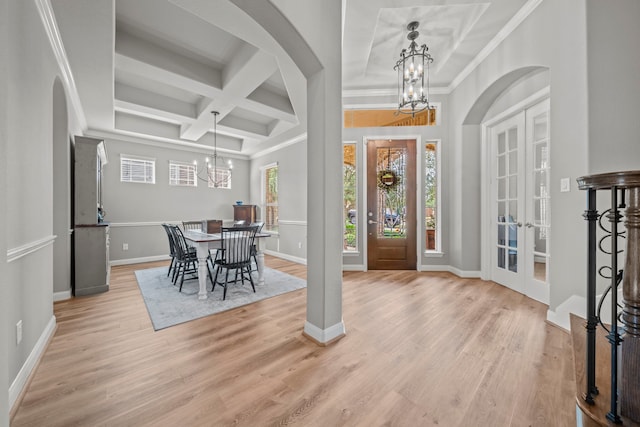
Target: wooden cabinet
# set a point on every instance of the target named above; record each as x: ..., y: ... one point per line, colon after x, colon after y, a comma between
x: 246, y: 213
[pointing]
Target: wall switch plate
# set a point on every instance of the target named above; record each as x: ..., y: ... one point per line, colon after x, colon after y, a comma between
x: 125, y: 246
x: 19, y: 332
x: 565, y: 185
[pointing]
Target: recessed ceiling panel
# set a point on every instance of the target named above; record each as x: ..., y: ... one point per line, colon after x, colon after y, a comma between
x: 442, y: 28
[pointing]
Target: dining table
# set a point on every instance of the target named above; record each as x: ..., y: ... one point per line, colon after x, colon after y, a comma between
x: 204, y: 241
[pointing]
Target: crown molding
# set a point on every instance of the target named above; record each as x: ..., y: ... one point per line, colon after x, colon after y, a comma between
x: 277, y: 147
x: 513, y: 23
x: 55, y: 39
x: 353, y: 93
x: 160, y: 142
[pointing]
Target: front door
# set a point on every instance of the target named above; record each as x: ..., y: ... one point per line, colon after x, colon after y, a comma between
x: 391, y: 204
x: 521, y: 202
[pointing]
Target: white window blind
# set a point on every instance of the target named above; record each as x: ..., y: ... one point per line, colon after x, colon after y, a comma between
x: 221, y: 177
x: 182, y: 174
x: 134, y: 169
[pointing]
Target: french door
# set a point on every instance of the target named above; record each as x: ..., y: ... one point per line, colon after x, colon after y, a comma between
x: 521, y: 202
x: 391, y: 204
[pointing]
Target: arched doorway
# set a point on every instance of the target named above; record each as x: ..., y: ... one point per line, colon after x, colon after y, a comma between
x: 511, y: 121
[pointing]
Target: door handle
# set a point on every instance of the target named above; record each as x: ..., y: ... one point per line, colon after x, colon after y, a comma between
x: 519, y: 224
x: 372, y: 222
x: 529, y: 225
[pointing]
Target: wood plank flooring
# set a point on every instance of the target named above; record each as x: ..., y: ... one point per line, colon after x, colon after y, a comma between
x: 422, y: 349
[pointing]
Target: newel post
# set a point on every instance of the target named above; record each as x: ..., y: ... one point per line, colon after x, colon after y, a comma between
x: 630, y: 387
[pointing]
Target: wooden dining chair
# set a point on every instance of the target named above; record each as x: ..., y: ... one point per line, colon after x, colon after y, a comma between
x: 235, y: 255
x: 186, y: 258
x: 254, y: 249
x: 172, y: 249
x: 193, y: 225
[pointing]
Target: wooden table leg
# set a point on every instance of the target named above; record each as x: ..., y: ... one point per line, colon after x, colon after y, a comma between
x: 202, y: 251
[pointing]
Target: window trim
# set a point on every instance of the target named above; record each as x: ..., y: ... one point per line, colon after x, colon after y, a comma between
x: 263, y: 196
x: 438, y: 250
x: 230, y: 178
x: 190, y: 166
x: 129, y: 157
x: 355, y: 251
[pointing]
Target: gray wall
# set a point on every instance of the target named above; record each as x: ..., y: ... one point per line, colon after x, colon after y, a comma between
x: 4, y: 291
x: 560, y: 49
x: 614, y: 91
x: 27, y: 281
x: 291, y: 239
x: 136, y: 210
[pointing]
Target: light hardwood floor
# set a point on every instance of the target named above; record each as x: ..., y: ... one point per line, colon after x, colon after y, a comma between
x: 421, y: 349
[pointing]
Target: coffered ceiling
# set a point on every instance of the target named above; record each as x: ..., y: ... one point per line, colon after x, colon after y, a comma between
x: 155, y: 69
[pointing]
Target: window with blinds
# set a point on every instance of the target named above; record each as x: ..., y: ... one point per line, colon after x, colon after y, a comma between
x: 220, y: 178
x: 137, y: 169
x: 182, y: 174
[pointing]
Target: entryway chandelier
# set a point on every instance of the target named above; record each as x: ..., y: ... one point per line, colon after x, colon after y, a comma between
x: 413, y: 65
x: 216, y: 171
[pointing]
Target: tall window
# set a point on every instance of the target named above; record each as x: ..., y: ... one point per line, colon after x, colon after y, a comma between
x: 182, y: 174
x: 137, y: 169
x: 431, y: 195
x: 270, y: 197
x: 350, y: 196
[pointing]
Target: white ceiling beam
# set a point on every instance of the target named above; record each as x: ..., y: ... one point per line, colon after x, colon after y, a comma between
x: 143, y: 99
x: 270, y: 104
x: 154, y: 62
x: 249, y: 68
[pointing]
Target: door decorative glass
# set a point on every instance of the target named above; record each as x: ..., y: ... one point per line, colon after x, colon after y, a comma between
x: 391, y: 194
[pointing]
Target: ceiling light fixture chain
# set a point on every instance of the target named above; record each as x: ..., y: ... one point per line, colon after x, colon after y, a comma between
x: 413, y: 71
x: 216, y: 176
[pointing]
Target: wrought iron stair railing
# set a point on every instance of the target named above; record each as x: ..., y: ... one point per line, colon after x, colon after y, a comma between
x: 624, y: 325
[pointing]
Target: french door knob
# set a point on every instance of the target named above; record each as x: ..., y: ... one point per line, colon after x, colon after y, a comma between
x: 372, y: 221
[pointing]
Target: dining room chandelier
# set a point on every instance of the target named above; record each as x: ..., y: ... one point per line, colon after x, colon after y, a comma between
x: 413, y: 73
x: 216, y: 170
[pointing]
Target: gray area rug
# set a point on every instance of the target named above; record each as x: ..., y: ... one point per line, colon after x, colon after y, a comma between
x: 168, y: 307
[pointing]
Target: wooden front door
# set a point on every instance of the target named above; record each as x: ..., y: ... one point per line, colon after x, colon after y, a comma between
x: 391, y: 204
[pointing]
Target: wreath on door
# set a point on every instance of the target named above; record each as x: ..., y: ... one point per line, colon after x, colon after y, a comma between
x: 387, y: 179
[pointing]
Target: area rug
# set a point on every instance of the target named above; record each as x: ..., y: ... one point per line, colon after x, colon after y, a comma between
x: 168, y: 307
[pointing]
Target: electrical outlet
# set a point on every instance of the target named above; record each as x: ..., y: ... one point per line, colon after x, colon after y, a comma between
x: 565, y: 185
x: 299, y: 245
x: 125, y: 246
x: 19, y: 332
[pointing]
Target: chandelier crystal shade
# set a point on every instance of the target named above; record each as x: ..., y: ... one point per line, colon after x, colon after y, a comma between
x: 413, y: 72
x: 216, y: 170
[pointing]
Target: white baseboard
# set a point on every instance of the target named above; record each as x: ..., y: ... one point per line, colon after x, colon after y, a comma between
x: 291, y: 258
x: 353, y: 267
x: 560, y: 317
x: 460, y: 273
x: 18, y: 384
x: 139, y: 260
x: 61, y: 296
x: 324, y: 336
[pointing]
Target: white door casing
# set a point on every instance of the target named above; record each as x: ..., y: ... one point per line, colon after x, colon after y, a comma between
x: 519, y: 210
